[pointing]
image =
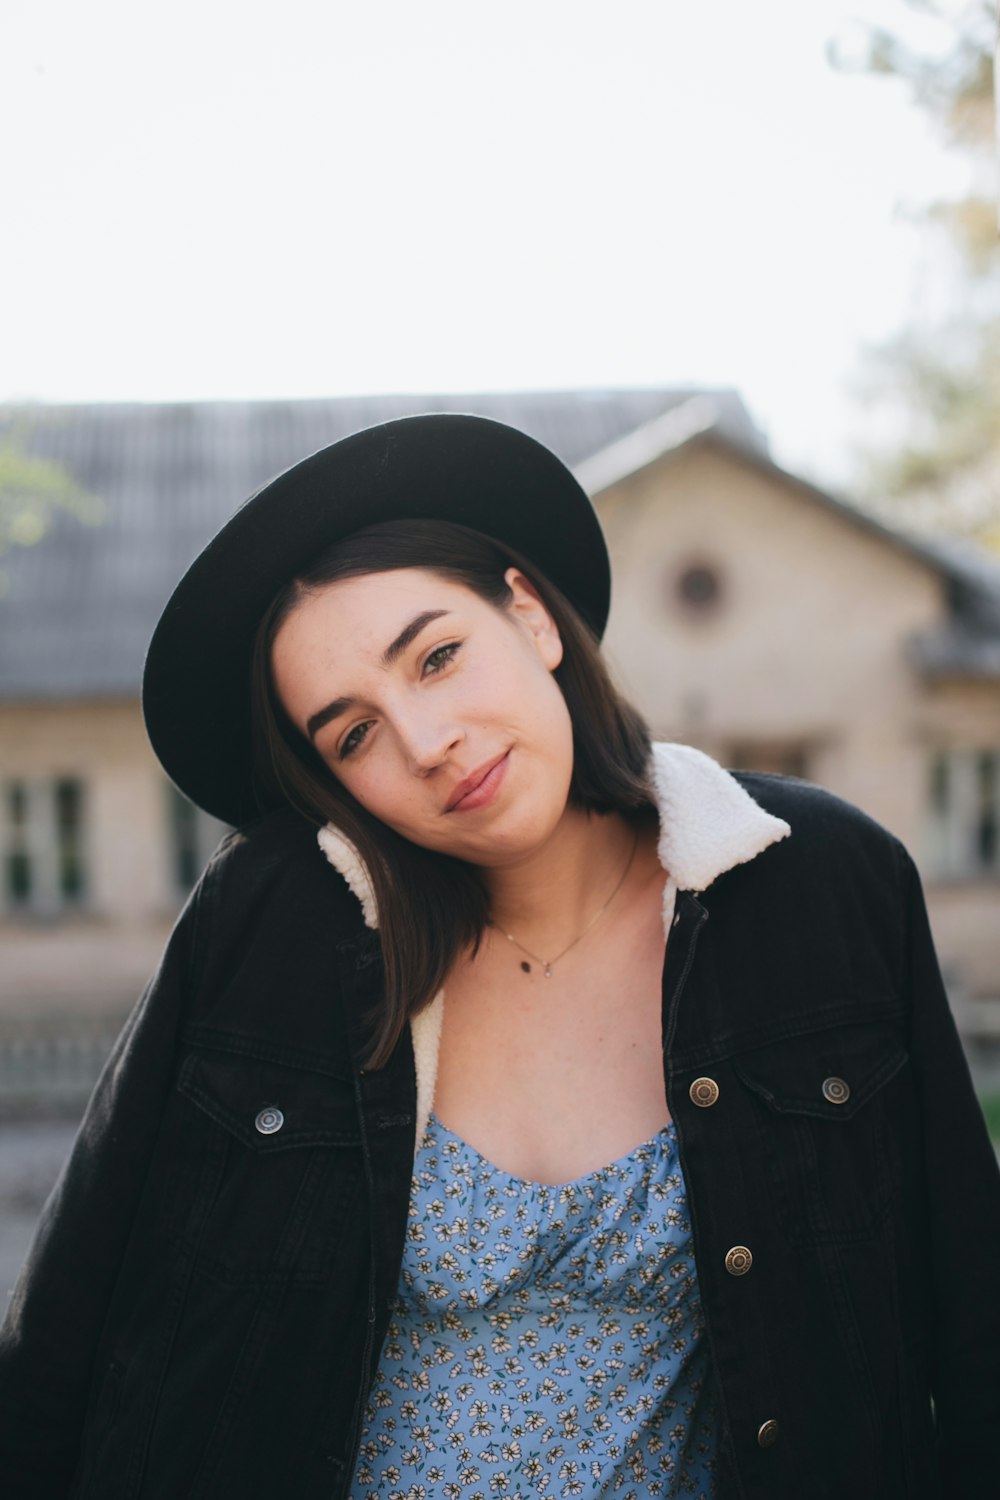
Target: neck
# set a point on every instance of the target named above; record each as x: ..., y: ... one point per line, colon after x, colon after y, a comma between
x: 547, y: 898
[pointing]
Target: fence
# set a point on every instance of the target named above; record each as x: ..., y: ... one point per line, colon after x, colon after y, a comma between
x: 48, y: 1065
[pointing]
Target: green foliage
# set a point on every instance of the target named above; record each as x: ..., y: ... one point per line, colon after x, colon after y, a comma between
x: 34, y: 491
x: 956, y: 86
x: 990, y: 1103
x: 946, y: 375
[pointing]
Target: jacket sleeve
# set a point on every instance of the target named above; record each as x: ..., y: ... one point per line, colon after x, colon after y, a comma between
x: 963, y: 1224
x: 49, y: 1337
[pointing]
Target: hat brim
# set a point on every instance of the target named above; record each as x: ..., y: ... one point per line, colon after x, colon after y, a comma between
x: 450, y: 467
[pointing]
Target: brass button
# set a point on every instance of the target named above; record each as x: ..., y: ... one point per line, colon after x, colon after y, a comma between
x: 836, y: 1091
x: 269, y: 1119
x: 704, y: 1092
x: 767, y: 1434
x: 738, y: 1260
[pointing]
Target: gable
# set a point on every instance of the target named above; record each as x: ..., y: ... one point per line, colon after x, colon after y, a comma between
x: 710, y: 498
x: 812, y: 613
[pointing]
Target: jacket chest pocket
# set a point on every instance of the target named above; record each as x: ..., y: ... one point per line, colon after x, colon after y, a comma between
x: 275, y: 1152
x: 825, y: 1107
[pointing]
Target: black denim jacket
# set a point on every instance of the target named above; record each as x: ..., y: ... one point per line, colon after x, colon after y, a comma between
x: 204, y: 1303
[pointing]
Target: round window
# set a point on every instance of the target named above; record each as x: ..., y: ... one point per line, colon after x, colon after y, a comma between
x: 698, y: 586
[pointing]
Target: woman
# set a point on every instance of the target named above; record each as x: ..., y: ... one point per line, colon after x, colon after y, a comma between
x: 357, y: 1206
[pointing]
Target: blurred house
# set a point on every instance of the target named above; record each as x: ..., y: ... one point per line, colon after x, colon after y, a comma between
x: 754, y: 615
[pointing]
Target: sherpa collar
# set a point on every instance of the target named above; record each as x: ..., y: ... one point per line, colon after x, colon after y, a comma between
x: 708, y: 824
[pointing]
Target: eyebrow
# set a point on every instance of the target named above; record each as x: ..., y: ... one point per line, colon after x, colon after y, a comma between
x: 409, y: 633
x: 391, y: 654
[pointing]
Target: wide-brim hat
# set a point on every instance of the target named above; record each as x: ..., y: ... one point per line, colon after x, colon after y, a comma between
x: 442, y: 466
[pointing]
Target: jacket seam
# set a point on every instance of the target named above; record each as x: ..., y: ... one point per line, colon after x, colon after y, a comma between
x: 889, y: 1009
x: 215, y: 1039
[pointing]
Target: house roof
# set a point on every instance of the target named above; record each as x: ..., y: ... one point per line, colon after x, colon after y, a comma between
x: 967, y: 644
x: 79, y: 606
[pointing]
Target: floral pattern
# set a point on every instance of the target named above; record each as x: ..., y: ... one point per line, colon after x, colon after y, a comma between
x: 546, y: 1340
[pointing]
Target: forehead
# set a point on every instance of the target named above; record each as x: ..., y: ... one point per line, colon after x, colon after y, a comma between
x: 338, y: 641
x: 378, y: 598
x: 355, y: 619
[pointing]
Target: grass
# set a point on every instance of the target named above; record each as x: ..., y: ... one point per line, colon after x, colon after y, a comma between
x: 990, y: 1103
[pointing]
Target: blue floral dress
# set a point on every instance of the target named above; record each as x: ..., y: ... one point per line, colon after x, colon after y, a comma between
x: 546, y: 1340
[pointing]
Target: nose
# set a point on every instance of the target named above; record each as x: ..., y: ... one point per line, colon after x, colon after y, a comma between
x: 428, y: 741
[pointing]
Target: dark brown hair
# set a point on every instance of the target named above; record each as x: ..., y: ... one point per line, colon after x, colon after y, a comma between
x: 432, y: 907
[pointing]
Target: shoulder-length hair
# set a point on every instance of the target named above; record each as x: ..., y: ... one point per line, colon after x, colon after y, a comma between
x: 432, y: 907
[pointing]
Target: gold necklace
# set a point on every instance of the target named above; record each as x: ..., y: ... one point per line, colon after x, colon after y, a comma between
x: 547, y: 964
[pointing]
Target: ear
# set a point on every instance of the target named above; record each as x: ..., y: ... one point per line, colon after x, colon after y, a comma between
x: 528, y: 610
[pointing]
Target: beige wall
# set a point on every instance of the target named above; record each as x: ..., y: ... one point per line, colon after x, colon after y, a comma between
x: 806, y: 643
x: 965, y: 918
x: 808, y: 647
x: 101, y: 956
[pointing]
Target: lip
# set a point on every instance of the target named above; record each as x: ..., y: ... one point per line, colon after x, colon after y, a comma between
x: 480, y: 788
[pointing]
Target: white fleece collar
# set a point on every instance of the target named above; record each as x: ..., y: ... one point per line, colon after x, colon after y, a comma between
x: 708, y: 822
x: 708, y: 825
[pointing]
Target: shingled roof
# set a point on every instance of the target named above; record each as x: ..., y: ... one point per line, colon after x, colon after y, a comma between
x: 79, y: 606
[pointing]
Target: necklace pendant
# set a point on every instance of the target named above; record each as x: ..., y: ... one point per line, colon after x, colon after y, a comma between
x: 548, y: 971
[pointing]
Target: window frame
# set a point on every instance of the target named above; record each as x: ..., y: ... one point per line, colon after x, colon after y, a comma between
x: 193, y: 835
x: 963, y: 813
x: 55, y: 849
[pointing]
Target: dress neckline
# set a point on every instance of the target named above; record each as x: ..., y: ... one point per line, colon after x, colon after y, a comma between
x: 664, y: 1137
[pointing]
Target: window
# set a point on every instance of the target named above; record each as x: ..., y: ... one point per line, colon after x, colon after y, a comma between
x: 69, y: 839
x: 193, y: 838
x: 780, y: 758
x: 43, y: 835
x: 697, y: 587
x: 964, y: 812
x: 987, y: 806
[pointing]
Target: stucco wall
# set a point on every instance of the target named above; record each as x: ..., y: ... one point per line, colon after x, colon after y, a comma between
x: 100, y: 957
x: 807, y: 646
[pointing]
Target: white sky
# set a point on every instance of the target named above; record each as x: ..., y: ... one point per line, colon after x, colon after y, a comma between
x: 229, y: 198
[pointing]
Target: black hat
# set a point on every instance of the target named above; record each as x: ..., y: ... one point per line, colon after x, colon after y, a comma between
x: 449, y: 467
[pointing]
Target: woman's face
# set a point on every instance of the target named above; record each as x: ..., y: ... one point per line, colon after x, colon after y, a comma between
x: 435, y: 708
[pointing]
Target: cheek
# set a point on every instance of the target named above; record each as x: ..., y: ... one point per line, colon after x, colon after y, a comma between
x: 382, y: 790
x: 512, y: 695
x: 552, y: 709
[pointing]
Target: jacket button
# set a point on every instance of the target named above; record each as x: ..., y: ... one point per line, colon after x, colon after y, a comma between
x: 269, y: 1120
x: 767, y: 1433
x: 738, y: 1260
x: 836, y: 1091
x: 704, y: 1092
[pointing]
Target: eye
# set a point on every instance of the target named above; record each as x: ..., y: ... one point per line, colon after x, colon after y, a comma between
x: 440, y: 657
x: 353, y: 739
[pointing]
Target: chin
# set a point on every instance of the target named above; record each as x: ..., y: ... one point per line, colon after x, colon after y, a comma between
x: 507, y: 845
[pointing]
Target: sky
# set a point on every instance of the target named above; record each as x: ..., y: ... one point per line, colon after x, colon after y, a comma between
x: 218, y: 200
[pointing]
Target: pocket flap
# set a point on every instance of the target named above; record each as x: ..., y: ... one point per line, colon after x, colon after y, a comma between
x: 269, y: 1106
x: 829, y: 1074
